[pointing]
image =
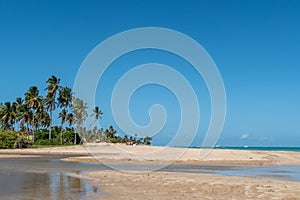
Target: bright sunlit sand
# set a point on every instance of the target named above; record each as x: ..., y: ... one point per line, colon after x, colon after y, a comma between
x: 171, y: 185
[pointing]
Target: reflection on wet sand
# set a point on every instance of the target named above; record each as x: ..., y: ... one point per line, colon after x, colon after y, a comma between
x: 45, y: 186
x: 47, y: 177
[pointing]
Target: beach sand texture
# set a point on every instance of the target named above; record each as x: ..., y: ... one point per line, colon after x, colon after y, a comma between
x: 152, y: 154
x: 161, y: 185
x: 169, y: 185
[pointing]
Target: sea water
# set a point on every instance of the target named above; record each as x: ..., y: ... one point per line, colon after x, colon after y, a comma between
x: 46, y: 177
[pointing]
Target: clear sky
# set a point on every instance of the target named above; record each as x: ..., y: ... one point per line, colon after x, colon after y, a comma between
x: 255, y: 44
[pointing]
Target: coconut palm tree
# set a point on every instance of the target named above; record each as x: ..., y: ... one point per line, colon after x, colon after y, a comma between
x: 26, y: 119
x: 79, y: 110
x: 70, y: 119
x: 23, y: 114
x: 35, y: 103
x: 43, y: 119
x: 7, y: 115
x: 63, y: 115
x: 110, y: 132
x: 65, y: 97
x: 52, y: 89
x: 19, y: 109
x: 97, y: 114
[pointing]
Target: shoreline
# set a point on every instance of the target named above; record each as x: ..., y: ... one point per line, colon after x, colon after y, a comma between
x: 123, y: 154
x: 174, y: 185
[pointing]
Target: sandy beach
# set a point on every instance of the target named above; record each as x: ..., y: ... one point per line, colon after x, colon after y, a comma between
x: 158, y: 185
x: 169, y: 185
x: 110, y: 153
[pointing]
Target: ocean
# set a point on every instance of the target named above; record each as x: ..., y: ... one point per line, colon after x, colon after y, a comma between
x: 293, y: 149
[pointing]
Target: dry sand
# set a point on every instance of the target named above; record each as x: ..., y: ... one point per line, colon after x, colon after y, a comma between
x: 161, y: 185
x: 145, y: 154
x: 109, y: 153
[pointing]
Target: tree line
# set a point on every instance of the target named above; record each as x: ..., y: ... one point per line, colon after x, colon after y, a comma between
x: 33, y: 115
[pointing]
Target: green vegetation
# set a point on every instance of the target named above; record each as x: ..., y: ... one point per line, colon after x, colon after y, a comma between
x: 111, y: 134
x: 12, y: 139
x: 29, y: 121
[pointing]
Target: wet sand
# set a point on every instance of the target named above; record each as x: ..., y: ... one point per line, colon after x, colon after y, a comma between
x: 174, y: 185
x: 165, y: 185
x: 109, y: 153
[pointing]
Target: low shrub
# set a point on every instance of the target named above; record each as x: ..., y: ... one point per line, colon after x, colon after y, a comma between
x: 13, y: 139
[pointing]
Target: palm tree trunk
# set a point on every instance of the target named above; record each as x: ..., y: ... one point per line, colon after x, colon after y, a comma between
x: 33, y: 128
x: 61, y: 133
x: 75, y: 140
x: 50, y: 124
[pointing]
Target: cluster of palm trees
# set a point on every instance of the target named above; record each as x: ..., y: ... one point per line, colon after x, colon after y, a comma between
x: 34, y: 114
x: 34, y: 111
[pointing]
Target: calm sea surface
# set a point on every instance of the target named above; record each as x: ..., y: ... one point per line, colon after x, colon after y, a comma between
x: 294, y: 149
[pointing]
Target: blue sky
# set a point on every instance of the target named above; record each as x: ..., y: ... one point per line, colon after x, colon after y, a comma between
x: 255, y: 44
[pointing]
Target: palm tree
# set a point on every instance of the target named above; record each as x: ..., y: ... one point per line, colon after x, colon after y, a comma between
x: 65, y: 97
x: 52, y: 89
x: 27, y: 116
x: 110, y: 132
x: 44, y: 119
x: 70, y: 119
x: 97, y: 113
x: 63, y: 115
x: 19, y: 109
x: 23, y: 113
x: 35, y: 103
x: 1, y: 114
x: 7, y: 115
x: 79, y: 111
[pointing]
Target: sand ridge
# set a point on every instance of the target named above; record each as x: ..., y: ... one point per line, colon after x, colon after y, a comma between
x: 110, y: 153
